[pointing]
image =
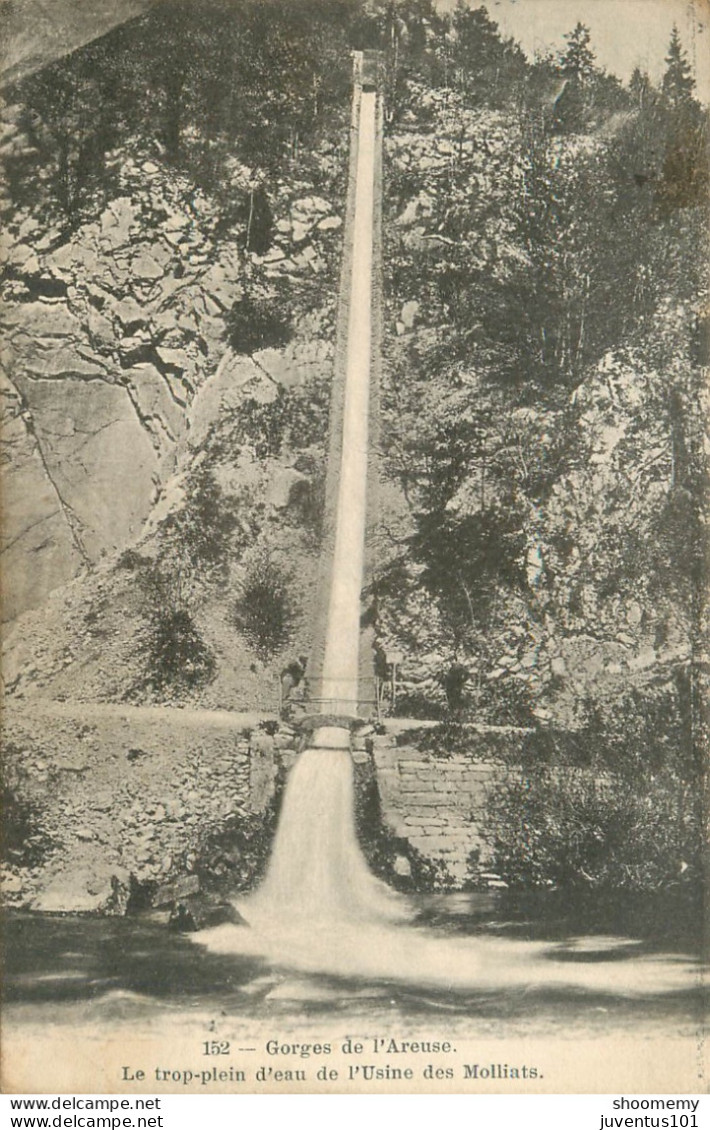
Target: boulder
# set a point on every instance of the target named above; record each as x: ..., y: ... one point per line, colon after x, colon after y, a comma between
x: 129, y: 313
x: 402, y: 867
x: 174, y: 237
x: 146, y: 267
x: 62, y: 261
x: 175, y: 358
x: 177, y: 891
x: 83, y: 887
x: 22, y: 258
x: 198, y: 912
x: 176, y: 222
x: 409, y: 215
x: 310, y: 207
x: 300, y: 232
x: 274, y: 255
x: 329, y: 223
x: 116, y: 222
x: 29, y: 228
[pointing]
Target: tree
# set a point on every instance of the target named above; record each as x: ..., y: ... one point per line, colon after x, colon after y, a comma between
x: 678, y: 82
x: 578, y: 60
x: 640, y: 87
x: 485, y: 66
x: 685, y: 171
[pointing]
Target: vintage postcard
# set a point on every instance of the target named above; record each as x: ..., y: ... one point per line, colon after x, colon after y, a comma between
x: 354, y: 491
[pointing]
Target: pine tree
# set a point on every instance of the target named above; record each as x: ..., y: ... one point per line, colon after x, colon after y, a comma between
x: 640, y: 86
x: 678, y: 82
x: 578, y: 60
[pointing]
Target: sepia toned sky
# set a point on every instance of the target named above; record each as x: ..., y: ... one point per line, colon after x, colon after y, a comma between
x: 625, y: 33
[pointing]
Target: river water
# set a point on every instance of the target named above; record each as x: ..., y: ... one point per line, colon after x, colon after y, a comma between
x: 328, y: 950
x: 524, y: 965
x: 587, y: 998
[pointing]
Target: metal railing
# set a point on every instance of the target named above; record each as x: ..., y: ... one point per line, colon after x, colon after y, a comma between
x: 377, y: 702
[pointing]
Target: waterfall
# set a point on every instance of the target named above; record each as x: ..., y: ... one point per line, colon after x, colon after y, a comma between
x: 317, y: 870
x: 341, y: 662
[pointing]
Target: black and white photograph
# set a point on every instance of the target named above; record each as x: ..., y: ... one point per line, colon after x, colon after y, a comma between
x: 354, y: 496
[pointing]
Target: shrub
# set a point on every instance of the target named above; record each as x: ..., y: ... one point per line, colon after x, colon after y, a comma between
x: 418, y: 704
x: 295, y: 418
x: 261, y: 426
x: 505, y: 702
x: 265, y: 611
x: 306, y: 506
x: 200, y: 535
x: 176, y: 654
x: 255, y: 323
x: 449, y: 738
x: 571, y: 826
x: 24, y: 841
x: 615, y: 804
x: 131, y: 560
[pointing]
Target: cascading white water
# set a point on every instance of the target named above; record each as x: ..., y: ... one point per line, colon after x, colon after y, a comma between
x: 317, y: 870
x: 340, y: 665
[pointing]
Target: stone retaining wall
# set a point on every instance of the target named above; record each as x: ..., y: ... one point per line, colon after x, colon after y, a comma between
x: 128, y: 790
x: 432, y: 800
x: 131, y: 790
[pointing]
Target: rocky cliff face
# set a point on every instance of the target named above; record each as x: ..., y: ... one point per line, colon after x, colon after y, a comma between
x: 168, y: 314
x: 110, y: 334
x: 114, y: 335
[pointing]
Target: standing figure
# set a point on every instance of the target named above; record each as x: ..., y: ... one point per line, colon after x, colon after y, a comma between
x: 454, y: 681
x: 291, y: 677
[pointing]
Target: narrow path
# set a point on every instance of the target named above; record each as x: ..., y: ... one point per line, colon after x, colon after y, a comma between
x: 341, y: 663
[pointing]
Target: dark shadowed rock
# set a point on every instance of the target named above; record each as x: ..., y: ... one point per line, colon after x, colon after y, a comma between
x: 198, y: 912
x: 181, y: 889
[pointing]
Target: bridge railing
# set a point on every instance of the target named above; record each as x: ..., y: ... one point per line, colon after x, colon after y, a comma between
x: 370, y: 698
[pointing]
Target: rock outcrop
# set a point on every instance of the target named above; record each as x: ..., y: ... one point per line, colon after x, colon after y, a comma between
x: 110, y: 332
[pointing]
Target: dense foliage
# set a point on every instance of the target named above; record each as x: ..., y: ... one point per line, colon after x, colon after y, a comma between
x: 214, y: 88
x: 25, y: 841
x: 546, y: 251
x: 617, y: 805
